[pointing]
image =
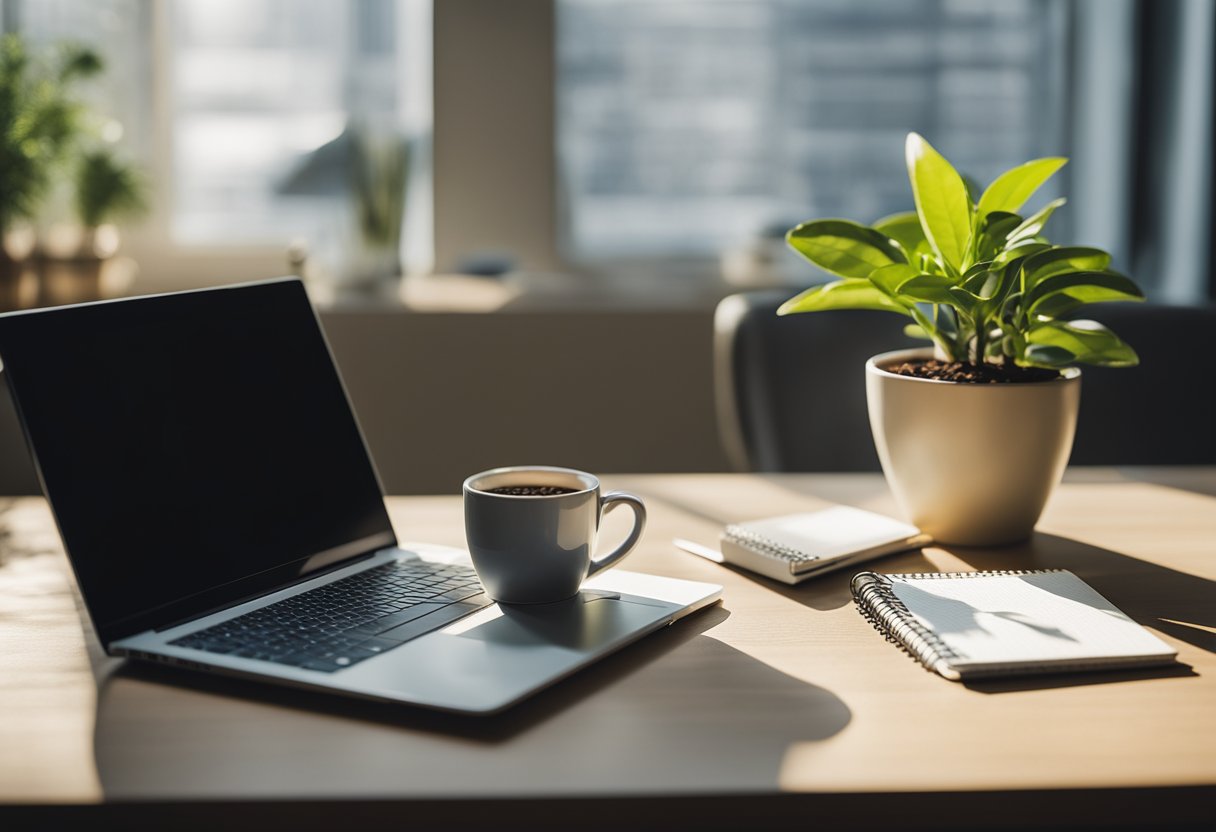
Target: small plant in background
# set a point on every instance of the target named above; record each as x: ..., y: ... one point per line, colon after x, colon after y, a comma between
x: 379, y: 171
x: 976, y: 277
x: 39, y: 120
x: 46, y: 135
x: 107, y: 189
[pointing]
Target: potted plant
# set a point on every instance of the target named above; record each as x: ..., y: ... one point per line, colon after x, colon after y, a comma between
x: 974, y: 432
x: 106, y: 189
x: 38, y: 122
x: 378, y: 178
x: 45, y: 138
x: 368, y: 165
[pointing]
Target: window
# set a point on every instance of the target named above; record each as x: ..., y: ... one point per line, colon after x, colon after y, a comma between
x: 255, y: 88
x: 687, y: 127
x: 250, y: 115
x: 118, y: 30
x: 267, y: 98
x: 622, y: 138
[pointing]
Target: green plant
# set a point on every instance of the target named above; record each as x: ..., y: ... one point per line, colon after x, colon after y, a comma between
x: 107, y: 189
x: 977, y: 278
x: 39, y: 120
x: 378, y: 178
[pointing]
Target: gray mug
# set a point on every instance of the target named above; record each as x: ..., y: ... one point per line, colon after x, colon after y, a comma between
x: 537, y: 549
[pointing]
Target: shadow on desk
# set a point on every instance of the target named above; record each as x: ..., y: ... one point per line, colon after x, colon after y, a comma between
x: 1174, y: 603
x: 1180, y: 605
x: 131, y: 676
x: 164, y: 733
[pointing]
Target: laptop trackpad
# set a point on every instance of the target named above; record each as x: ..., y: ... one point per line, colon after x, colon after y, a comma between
x: 587, y: 622
x: 496, y: 656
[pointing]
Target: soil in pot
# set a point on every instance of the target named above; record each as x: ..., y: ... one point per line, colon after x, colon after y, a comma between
x: 971, y: 373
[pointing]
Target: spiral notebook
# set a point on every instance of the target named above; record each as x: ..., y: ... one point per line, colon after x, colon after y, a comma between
x: 795, y: 547
x: 967, y: 625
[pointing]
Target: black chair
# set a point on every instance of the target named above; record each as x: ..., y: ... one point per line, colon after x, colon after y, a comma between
x: 1162, y: 412
x: 790, y: 391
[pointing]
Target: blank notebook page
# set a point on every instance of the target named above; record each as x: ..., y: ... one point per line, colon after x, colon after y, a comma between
x: 1035, y: 617
x: 832, y: 532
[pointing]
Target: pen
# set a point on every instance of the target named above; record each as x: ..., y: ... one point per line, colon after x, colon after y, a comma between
x: 707, y: 552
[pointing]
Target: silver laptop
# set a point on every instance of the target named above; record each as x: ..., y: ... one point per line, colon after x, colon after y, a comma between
x: 221, y: 512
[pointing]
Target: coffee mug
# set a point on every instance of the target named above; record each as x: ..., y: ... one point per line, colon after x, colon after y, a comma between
x: 531, y: 530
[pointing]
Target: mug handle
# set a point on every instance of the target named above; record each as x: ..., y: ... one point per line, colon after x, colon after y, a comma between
x: 607, y: 503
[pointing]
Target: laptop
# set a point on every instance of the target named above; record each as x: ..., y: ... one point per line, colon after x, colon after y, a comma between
x: 221, y: 512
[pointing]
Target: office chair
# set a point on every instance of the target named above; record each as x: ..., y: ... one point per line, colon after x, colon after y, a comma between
x: 790, y: 392
x: 1162, y: 412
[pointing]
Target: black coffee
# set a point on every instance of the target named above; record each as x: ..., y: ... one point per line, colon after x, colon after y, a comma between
x: 531, y: 490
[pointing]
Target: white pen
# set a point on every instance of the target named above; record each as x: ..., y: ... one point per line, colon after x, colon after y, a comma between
x: 707, y: 552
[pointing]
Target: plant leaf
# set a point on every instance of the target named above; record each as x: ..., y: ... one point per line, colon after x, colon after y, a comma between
x: 960, y: 298
x: 999, y: 224
x: 1088, y: 287
x: 1042, y: 355
x: 904, y: 228
x: 1022, y: 249
x: 917, y: 331
x: 841, y: 294
x: 1010, y: 190
x: 1035, y: 222
x: 983, y: 289
x: 1088, y: 341
x: 1061, y: 259
x: 992, y: 285
x: 844, y: 248
x: 1060, y: 303
x: 888, y: 279
x: 928, y: 288
x: 975, y: 278
x: 1057, y: 305
x: 995, y: 229
x: 941, y: 201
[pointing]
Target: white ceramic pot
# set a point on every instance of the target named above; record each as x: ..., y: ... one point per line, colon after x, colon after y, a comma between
x: 971, y: 464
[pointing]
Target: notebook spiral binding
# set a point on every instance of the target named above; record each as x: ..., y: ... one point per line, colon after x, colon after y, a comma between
x: 920, y: 576
x: 764, y: 545
x: 877, y: 602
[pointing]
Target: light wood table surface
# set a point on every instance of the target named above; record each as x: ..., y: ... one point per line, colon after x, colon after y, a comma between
x: 779, y: 707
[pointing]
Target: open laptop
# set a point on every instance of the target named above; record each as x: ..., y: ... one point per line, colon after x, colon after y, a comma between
x: 221, y: 512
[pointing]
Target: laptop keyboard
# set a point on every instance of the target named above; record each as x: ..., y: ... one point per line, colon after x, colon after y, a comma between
x: 344, y: 622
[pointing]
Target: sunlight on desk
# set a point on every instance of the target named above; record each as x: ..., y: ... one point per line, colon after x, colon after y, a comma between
x: 46, y: 753
x: 782, y: 689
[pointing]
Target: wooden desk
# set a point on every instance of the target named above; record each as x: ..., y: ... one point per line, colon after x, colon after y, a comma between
x: 780, y: 707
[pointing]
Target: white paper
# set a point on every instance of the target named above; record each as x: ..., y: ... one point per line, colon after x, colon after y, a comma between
x: 1037, y: 617
x: 833, y: 532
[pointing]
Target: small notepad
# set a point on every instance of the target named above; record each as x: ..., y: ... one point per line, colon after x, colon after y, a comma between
x: 795, y: 547
x: 967, y: 625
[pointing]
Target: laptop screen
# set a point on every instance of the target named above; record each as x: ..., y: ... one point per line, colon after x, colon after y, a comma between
x: 196, y: 448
